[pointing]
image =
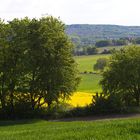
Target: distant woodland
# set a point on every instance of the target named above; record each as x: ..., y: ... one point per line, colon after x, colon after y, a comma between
x: 89, y: 37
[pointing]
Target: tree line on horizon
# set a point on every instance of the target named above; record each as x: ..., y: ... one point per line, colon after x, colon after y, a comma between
x: 94, y: 48
x: 89, y: 34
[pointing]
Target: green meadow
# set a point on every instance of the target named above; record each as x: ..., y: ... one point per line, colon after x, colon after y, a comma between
x: 86, y: 62
x: 89, y: 82
x: 125, y: 129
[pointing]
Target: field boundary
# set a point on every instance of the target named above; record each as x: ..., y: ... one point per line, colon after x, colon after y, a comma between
x: 99, y: 117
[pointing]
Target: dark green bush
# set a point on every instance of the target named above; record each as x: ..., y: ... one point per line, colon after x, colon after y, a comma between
x: 102, y: 103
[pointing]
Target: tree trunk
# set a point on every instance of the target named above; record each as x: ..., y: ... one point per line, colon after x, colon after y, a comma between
x: 3, y: 106
x: 49, y: 102
x: 2, y: 96
x: 32, y: 103
x: 3, y: 103
x: 11, y: 90
x: 138, y: 101
x: 49, y: 105
x: 12, y: 103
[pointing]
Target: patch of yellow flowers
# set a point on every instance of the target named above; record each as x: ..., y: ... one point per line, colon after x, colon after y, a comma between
x: 80, y: 99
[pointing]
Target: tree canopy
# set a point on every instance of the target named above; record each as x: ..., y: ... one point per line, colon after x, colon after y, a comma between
x: 123, y: 75
x: 36, y: 63
x: 100, y: 64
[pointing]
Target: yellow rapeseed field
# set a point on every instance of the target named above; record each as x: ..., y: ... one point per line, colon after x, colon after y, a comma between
x: 80, y: 99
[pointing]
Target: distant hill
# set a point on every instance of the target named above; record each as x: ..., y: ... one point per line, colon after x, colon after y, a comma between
x: 85, y: 34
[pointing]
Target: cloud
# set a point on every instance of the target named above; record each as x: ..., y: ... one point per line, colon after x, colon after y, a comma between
x: 123, y: 12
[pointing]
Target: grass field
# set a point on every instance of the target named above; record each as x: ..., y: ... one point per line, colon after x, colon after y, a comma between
x: 88, y: 86
x: 121, y: 129
x: 125, y: 129
x: 89, y: 82
x: 85, y: 63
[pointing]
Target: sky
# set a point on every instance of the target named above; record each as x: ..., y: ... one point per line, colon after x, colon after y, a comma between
x: 118, y: 12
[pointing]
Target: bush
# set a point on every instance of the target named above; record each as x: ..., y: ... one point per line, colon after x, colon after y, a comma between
x: 103, y: 43
x: 79, y: 112
x: 58, y: 110
x: 106, y: 51
x: 100, y: 64
x: 102, y: 103
x: 85, y: 72
x: 90, y: 72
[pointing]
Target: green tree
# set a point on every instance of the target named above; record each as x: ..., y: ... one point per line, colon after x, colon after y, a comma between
x: 3, y: 63
x: 103, y: 43
x: 122, y: 78
x: 17, y: 35
x: 59, y: 74
x: 11, y: 66
x: 91, y: 50
x: 137, y: 41
x: 100, y: 64
x: 120, y: 42
x: 51, y: 71
x: 36, y: 63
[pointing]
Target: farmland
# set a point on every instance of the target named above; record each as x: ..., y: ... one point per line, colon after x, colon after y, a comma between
x: 89, y: 84
x: 109, y: 48
x: 85, y: 63
x: 126, y: 129
x: 69, y: 70
x: 80, y: 99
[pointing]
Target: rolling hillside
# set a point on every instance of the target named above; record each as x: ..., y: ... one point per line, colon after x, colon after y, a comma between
x: 85, y: 34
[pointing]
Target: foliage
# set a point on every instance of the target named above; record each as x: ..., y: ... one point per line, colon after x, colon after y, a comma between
x: 91, y: 50
x: 36, y: 64
x: 90, y: 34
x: 137, y: 41
x: 102, y: 103
x: 85, y: 50
x: 89, y: 78
x: 120, y: 42
x: 85, y: 63
x: 106, y: 51
x: 122, y: 76
x: 100, y: 64
x: 103, y: 43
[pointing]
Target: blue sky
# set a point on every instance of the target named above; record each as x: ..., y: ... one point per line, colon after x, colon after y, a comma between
x: 120, y: 12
